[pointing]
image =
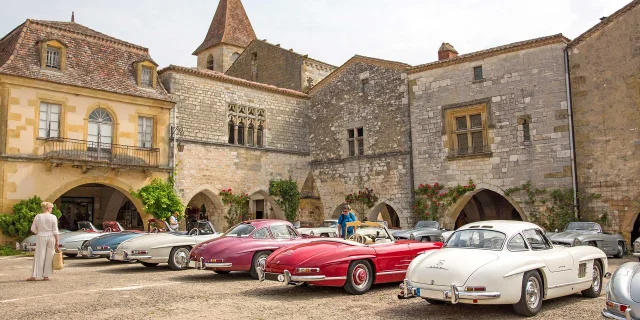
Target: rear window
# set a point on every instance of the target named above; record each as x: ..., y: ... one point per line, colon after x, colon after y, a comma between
x: 477, y: 239
x: 240, y: 230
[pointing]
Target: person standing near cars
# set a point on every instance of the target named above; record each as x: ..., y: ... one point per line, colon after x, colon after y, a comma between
x: 45, y: 226
x: 346, y: 217
x: 173, y: 221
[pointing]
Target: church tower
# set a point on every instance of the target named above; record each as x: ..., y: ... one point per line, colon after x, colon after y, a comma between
x: 229, y: 34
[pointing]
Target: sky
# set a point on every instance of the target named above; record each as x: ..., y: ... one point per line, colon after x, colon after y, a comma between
x: 332, y: 31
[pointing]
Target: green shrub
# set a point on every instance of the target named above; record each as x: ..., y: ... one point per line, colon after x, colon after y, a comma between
x: 287, y: 196
x: 8, y: 250
x: 18, y: 224
x: 160, y: 200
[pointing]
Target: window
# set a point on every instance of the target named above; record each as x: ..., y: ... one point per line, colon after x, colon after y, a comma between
x: 477, y: 73
x: 364, y: 86
x: 537, y: 240
x: 517, y: 243
x: 100, y: 129
x: 49, y: 126
x: 250, y: 135
x: 247, y: 119
x: 53, y: 58
x: 234, y: 57
x: 467, y: 130
x: 254, y: 66
x: 241, y: 133
x: 260, y: 137
x: 282, y: 231
x: 526, y: 134
x: 147, y: 76
x: 360, y: 132
x: 476, y: 239
x: 261, y: 234
x: 232, y: 131
x: 210, y: 63
x: 355, y: 142
x: 145, y: 132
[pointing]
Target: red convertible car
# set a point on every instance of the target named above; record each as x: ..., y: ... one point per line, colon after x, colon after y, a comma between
x: 370, y: 256
x: 245, y: 247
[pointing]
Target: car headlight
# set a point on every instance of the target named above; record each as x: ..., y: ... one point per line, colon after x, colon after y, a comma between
x: 576, y: 242
x: 307, y: 270
x: 412, y: 237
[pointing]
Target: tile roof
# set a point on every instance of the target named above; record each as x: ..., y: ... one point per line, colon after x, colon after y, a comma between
x: 605, y: 22
x: 230, y: 25
x: 94, y: 60
x: 400, y: 66
x: 516, y: 46
x: 215, y: 75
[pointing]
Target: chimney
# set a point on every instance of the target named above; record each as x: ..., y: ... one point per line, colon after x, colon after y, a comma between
x: 446, y: 51
x: 73, y: 17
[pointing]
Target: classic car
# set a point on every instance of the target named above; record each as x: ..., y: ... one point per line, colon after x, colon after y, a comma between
x: 103, y: 245
x: 29, y: 243
x: 245, y: 247
x: 329, y: 228
x: 424, y: 231
x: 590, y: 234
x: 172, y: 247
x: 69, y: 242
x: 504, y: 262
x: 623, y: 293
x: 636, y: 248
x: 370, y: 256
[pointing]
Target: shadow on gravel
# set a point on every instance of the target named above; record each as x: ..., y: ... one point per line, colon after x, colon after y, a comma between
x: 213, y: 277
x: 419, y: 308
x: 136, y: 268
x: 301, y: 293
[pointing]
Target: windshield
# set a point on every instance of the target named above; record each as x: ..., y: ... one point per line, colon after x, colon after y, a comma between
x: 371, y: 235
x: 240, y: 230
x: 582, y: 226
x: 85, y: 225
x: 329, y: 224
x: 476, y: 239
x: 427, y: 224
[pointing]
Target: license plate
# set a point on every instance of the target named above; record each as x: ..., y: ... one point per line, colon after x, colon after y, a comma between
x: 417, y: 292
x: 273, y: 277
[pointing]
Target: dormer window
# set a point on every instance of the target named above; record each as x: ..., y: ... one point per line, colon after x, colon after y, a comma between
x: 53, y: 55
x: 53, y: 58
x: 147, y: 76
x: 146, y: 73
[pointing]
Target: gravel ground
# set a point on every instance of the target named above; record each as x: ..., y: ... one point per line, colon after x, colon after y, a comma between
x: 99, y: 289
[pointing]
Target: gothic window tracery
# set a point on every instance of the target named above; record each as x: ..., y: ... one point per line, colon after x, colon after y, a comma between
x: 246, y: 126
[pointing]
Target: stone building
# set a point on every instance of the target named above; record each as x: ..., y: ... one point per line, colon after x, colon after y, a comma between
x: 497, y: 116
x: 83, y: 120
x: 271, y: 64
x: 605, y: 93
x: 359, y: 137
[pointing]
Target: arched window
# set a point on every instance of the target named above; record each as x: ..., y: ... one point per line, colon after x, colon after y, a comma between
x: 250, y: 130
x: 100, y: 130
x: 234, y: 57
x: 260, y: 141
x: 241, y: 133
x: 210, y: 63
x: 232, y: 129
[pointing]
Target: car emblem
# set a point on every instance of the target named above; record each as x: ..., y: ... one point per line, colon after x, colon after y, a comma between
x: 432, y: 282
x: 438, y: 266
x: 281, y: 278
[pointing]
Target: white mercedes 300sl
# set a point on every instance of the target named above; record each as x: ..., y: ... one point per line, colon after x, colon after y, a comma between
x: 504, y: 262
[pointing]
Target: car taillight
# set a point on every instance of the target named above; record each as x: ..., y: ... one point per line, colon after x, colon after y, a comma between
x: 102, y: 248
x: 475, y: 289
x: 216, y: 260
x: 139, y: 252
x: 307, y: 270
x: 617, y: 306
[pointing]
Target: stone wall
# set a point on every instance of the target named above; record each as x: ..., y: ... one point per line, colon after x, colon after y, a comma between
x: 314, y: 70
x: 605, y: 92
x: 382, y: 112
x: 526, y: 84
x: 222, y: 57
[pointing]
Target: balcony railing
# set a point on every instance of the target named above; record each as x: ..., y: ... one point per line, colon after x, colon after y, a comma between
x: 82, y: 150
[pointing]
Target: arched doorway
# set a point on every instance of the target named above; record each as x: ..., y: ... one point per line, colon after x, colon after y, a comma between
x: 205, y: 205
x: 264, y: 206
x: 385, y: 212
x: 98, y: 203
x: 480, y: 205
x: 337, y: 211
x: 635, y: 233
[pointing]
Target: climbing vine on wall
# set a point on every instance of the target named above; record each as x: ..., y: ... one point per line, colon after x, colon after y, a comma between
x: 287, y: 196
x: 431, y: 201
x: 238, y: 206
x: 361, y: 201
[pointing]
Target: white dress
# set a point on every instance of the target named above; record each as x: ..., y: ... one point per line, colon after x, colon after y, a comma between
x: 45, y: 226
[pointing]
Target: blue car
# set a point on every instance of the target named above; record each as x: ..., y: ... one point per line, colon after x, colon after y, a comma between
x: 100, y: 247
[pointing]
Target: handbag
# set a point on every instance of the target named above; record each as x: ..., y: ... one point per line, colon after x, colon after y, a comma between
x: 58, y: 262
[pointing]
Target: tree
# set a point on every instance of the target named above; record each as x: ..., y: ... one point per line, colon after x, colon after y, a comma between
x: 18, y: 224
x: 160, y: 200
x: 287, y: 196
x: 361, y: 201
x: 238, y: 206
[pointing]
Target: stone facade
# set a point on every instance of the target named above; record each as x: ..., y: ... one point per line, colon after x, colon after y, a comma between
x: 381, y: 109
x: 605, y: 91
x: 222, y: 56
x: 209, y: 164
x: 516, y: 85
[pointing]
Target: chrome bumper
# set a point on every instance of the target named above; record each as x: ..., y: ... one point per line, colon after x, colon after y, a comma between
x: 286, y: 277
x: 607, y: 314
x: 453, y: 295
x: 90, y: 253
x: 201, y: 265
x: 636, y: 254
x: 124, y: 256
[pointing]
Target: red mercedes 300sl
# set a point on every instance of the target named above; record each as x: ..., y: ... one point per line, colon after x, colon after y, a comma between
x: 370, y: 256
x: 245, y: 247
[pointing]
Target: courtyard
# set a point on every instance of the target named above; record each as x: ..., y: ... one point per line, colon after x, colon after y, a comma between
x: 100, y: 289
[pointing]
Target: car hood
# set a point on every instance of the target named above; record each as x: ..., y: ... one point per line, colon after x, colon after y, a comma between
x: 403, y: 233
x: 565, y: 236
x: 303, y: 253
x: 449, y: 266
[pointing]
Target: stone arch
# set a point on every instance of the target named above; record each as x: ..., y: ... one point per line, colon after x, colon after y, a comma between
x: 277, y: 212
x: 117, y: 184
x: 337, y: 210
x: 482, y: 199
x: 213, y: 204
x: 387, y: 211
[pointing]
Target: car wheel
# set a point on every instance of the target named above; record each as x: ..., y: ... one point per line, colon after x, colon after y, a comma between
x: 149, y: 264
x: 593, y: 244
x: 324, y: 235
x: 71, y: 255
x: 596, y: 283
x: 179, y: 258
x: 221, y: 271
x: 621, y: 250
x: 531, y: 295
x: 259, y: 260
x: 359, y: 277
x: 425, y: 239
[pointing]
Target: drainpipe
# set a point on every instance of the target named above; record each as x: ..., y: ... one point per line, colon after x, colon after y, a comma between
x: 411, y: 174
x: 574, y: 174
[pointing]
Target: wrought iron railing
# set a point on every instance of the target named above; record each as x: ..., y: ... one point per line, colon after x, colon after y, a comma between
x: 82, y: 150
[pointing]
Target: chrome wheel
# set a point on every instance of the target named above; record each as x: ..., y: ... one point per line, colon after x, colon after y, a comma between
x: 596, y: 277
x: 532, y: 292
x: 424, y: 239
x: 360, y: 276
x: 181, y: 257
x: 262, y: 261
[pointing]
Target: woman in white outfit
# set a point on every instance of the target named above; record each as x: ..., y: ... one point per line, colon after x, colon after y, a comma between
x: 45, y: 226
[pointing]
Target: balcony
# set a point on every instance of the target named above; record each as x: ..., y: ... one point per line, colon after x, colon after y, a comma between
x: 96, y: 152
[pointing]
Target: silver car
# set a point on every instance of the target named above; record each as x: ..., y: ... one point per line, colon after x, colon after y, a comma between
x: 590, y: 234
x: 423, y: 231
x: 636, y: 249
x: 623, y: 293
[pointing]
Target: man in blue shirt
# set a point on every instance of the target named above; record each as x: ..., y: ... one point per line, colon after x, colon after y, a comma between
x: 345, y: 218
